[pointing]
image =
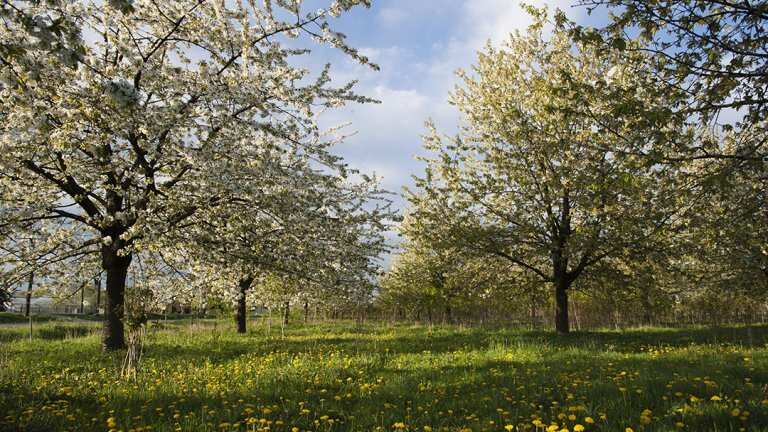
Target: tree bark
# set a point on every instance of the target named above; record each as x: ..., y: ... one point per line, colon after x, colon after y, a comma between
x: 286, y: 312
x: 241, y: 312
x: 116, y: 267
x: 576, y: 319
x: 97, y: 284
x: 645, y: 299
x: 562, y: 325
x: 560, y: 276
x: 28, y: 303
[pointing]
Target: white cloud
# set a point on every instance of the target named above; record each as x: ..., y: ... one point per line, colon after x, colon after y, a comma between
x: 388, y: 134
x: 414, y: 82
x: 413, y: 86
x: 496, y: 19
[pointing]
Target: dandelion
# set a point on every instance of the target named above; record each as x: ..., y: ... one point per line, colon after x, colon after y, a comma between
x: 578, y: 428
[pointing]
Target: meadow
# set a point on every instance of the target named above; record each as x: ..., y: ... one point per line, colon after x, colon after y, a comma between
x: 339, y: 376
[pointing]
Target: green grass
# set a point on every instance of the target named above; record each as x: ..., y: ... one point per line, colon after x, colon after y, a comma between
x: 339, y: 377
x: 15, y: 318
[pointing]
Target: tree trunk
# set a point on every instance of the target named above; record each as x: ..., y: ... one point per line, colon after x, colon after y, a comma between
x: 82, y: 299
x: 241, y: 312
x: 561, y: 277
x: 645, y: 299
x: 116, y: 267
x: 286, y: 312
x: 562, y: 325
x: 306, y: 311
x: 97, y: 284
x: 576, y: 320
x: 30, y: 283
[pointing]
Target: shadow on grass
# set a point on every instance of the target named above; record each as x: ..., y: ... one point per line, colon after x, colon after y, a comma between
x: 48, y: 332
x: 473, y: 388
x: 223, y: 345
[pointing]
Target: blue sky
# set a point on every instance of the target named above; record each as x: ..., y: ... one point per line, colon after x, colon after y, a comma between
x: 419, y: 45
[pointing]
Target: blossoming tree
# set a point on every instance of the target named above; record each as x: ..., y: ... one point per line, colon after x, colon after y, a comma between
x: 535, y: 177
x: 308, y: 229
x: 119, y: 117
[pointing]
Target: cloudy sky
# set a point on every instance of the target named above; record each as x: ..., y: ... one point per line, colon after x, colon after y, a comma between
x: 419, y: 44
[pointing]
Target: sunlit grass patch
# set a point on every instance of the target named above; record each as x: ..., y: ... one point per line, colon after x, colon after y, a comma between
x: 340, y: 376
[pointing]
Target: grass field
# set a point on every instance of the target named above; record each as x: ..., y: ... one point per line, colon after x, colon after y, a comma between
x: 339, y: 377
